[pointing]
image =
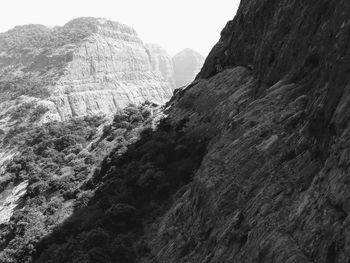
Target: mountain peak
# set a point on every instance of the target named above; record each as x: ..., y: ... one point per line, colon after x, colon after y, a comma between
x: 189, y: 51
x: 187, y: 64
x: 97, y: 23
x: 75, y: 31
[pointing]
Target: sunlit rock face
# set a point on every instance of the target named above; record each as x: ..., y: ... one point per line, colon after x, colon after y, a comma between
x: 187, y: 64
x: 161, y: 61
x: 9, y: 199
x: 89, y: 66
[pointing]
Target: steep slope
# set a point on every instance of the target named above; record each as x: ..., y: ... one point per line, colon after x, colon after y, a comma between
x: 187, y: 64
x: 89, y: 66
x: 273, y: 186
x: 161, y: 61
x: 49, y: 177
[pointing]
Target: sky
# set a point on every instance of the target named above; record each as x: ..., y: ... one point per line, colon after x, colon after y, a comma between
x: 174, y: 24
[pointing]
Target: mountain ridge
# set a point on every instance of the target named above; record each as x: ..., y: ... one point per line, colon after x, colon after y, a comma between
x: 88, y: 66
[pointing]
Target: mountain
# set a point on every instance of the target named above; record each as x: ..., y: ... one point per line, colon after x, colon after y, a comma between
x: 89, y: 66
x: 249, y: 163
x: 60, y: 88
x: 187, y: 64
x: 49, y: 175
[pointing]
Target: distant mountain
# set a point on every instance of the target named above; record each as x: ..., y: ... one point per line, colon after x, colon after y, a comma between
x: 187, y: 64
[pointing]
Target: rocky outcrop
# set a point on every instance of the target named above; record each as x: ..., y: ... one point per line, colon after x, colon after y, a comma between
x: 161, y: 61
x: 89, y: 66
x: 187, y: 64
x: 9, y: 199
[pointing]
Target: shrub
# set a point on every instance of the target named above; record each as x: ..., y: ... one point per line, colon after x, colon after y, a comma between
x: 38, y: 112
x: 22, y: 111
x: 83, y: 199
x: 25, y: 85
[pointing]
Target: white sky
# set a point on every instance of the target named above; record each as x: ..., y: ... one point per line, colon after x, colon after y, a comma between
x: 174, y: 24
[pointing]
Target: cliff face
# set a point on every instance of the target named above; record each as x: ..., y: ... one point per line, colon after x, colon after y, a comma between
x: 89, y: 66
x: 273, y: 185
x: 161, y: 61
x: 187, y: 64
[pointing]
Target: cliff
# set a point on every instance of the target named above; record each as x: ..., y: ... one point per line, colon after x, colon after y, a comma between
x: 273, y: 185
x: 89, y: 66
x: 187, y: 64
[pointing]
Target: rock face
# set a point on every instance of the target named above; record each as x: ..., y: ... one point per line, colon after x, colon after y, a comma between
x: 9, y: 200
x: 161, y: 61
x: 89, y: 66
x: 187, y: 64
x: 273, y: 186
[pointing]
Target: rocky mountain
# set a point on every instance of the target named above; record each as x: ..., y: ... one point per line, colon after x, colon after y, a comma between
x: 250, y: 162
x: 187, y: 65
x: 89, y: 66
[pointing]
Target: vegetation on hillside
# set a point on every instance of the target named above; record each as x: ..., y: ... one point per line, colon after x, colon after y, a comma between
x: 61, y: 162
x: 18, y: 86
x: 38, y: 36
x: 33, y: 57
x: 129, y: 190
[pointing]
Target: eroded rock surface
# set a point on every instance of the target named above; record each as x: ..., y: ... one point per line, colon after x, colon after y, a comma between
x: 273, y: 186
x: 9, y: 199
x: 89, y: 66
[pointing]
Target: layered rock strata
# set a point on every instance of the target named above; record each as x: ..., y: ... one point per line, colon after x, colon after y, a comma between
x: 89, y: 66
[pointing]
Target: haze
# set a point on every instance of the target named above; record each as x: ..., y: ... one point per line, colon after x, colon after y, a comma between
x: 173, y: 24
